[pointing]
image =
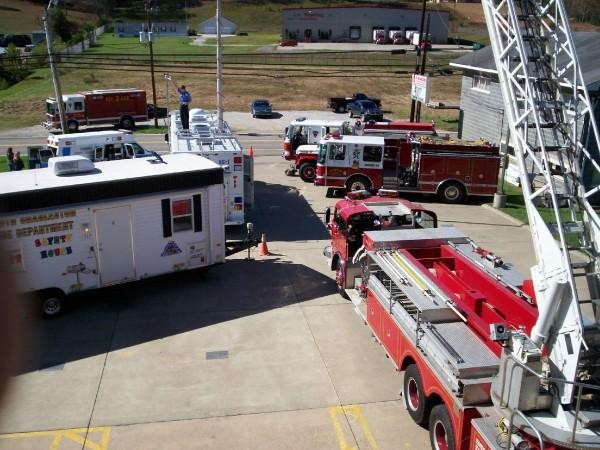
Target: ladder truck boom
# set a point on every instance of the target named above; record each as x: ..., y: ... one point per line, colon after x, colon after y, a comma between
x: 552, y: 124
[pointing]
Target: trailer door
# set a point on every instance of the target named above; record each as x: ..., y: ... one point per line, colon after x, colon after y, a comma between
x: 114, y: 241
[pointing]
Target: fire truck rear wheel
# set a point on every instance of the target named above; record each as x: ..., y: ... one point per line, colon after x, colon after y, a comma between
x: 414, y: 395
x: 358, y: 184
x: 441, y: 432
x: 127, y: 122
x: 452, y: 192
x: 72, y: 126
x: 51, y: 303
x: 307, y: 172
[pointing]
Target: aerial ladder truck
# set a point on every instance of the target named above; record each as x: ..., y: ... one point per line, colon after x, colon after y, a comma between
x: 494, y: 360
x: 551, y: 122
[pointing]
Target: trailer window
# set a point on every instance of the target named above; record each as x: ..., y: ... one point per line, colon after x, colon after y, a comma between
x: 181, y: 215
x: 372, y: 154
x: 337, y: 152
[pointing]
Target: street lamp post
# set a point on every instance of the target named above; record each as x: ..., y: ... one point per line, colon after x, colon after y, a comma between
x: 53, y: 70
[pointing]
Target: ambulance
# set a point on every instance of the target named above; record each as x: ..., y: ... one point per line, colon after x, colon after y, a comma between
x: 97, y: 145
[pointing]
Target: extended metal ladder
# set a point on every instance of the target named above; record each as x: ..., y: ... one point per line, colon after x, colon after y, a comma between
x: 552, y: 124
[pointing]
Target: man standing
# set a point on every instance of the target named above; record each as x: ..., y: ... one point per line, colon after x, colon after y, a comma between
x: 185, y: 99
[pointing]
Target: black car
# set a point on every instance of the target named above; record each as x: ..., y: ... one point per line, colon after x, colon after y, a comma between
x: 161, y: 112
x: 262, y: 108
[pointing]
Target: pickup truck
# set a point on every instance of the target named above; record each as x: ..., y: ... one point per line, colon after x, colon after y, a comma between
x: 365, y: 109
x: 340, y: 104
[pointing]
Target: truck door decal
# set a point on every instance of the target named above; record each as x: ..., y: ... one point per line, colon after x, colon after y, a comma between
x: 170, y: 249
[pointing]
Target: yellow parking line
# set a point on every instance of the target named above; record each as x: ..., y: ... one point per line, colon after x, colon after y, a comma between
x: 354, y: 412
x: 77, y: 435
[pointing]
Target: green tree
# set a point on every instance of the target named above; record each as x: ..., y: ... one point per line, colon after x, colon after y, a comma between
x: 61, y: 26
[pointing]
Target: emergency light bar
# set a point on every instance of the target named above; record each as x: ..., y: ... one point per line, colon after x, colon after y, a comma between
x: 358, y: 195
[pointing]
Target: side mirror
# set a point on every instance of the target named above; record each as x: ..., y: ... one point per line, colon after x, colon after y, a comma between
x: 327, y: 215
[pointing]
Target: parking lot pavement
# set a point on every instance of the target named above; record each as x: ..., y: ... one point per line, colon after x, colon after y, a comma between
x: 249, y: 354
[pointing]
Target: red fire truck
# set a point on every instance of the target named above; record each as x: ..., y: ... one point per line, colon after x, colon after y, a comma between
x: 302, y: 137
x: 358, y: 212
x: 121, y: 107
x: 450, y: 169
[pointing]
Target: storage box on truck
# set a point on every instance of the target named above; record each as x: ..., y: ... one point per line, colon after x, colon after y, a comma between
x: 97, y: 145
x: 72, y: 226
x: 120, y: 107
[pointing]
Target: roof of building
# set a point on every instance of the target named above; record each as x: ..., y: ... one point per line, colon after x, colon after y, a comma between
x: 586, y: 44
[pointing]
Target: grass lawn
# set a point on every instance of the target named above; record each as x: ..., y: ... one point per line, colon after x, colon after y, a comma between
x: 300, y: 81
x: 515, y: 207
x: 23, y: 17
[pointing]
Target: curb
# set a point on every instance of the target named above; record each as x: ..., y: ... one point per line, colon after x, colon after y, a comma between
x: 506, y: 216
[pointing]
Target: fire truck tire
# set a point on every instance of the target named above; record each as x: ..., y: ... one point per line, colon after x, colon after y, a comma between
x: 452, y: 192
x: 414, y: 395
x: 72, y: 126
x: 441, y: 432
x: 307, y: 172
x: 51, y: 302
x: 127, y: 122
x: 358, y: 183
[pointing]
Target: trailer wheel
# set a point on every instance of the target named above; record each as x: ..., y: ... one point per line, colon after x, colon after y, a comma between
x: 414, y: 395
x: 341, y: 109
x: 51, y: 302
x: 340, y: 280
x: 307, y: 172
x: 358, y: 183
x: 441, y: 432
x: 452, y: 192
x: 127, y: 122
x: 72, y: 126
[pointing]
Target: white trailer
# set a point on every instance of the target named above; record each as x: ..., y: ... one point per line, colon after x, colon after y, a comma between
x: 120, y: 222
x: 97, y: 145
x: 222, y: 147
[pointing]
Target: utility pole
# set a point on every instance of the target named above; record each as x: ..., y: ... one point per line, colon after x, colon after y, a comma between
x: 150, y: 36
x: 54, y: 71
x: 423, y: 65
x: 219, y: 70
x: 413, y: 103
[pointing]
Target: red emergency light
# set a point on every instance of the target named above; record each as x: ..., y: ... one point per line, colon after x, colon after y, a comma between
x: 237, y: 159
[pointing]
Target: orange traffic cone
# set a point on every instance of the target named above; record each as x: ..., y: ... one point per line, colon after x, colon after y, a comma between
x: 263, y: 251
x: 251, y: 152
